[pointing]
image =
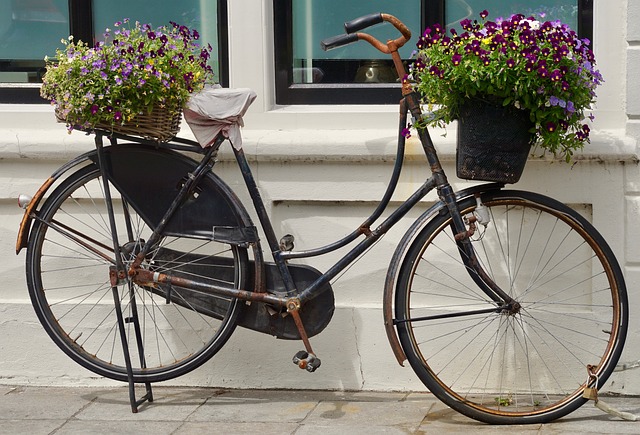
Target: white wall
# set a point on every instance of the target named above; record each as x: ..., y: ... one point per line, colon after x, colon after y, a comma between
x: 321, y: 169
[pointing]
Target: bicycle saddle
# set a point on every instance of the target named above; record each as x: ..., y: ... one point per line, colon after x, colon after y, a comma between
x: 216, y: 110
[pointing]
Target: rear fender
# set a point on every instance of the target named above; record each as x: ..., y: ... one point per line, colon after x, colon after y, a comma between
x: 27, y: 218
x: 151, y: 192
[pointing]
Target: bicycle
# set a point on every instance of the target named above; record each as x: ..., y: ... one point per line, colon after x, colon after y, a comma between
x: 164, y: 261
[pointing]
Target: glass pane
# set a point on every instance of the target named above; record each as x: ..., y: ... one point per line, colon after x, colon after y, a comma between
x: 29, y: 31
x: 314, y: 20
x: 563, y: 10
x: 199, y: 14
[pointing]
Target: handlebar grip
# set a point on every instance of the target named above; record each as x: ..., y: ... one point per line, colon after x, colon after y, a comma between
x: 363, y: 22
x: 338, y: 41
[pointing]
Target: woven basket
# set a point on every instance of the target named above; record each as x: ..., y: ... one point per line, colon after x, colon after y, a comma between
x: 159, y: 125
x: 493, y: 142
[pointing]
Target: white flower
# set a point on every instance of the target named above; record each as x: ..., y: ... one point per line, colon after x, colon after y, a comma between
x: 533, y: 24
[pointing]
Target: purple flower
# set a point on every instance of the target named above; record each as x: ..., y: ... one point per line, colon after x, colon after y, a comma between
x: 466, y: 24
x: 117, y: 116
x: 551, y: 127
x: 484, y: 14
x: 570, y: 107
x: 456, y: 58
x: 94, y: 109
x: 556, y: 75
x: 406, y: 133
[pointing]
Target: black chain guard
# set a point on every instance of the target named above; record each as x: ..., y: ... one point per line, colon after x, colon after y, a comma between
x: 315, y: 314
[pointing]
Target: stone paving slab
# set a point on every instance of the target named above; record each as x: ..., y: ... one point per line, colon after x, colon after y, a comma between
x: 191, y: 410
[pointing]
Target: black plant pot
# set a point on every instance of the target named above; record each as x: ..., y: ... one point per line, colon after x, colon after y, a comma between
x: 493, y: 142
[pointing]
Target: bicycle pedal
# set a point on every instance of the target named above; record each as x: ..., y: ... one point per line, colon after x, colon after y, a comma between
x: 306, y: 361
x: 299, y: 357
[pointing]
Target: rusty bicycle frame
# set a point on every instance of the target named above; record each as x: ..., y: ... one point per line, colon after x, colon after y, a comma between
x: 410, y: 103
x: 295, y: 298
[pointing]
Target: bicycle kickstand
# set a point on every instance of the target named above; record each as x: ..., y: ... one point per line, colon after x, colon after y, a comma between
x: 305, y: 359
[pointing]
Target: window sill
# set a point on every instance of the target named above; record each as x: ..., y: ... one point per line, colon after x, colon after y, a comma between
x: 31, y: 131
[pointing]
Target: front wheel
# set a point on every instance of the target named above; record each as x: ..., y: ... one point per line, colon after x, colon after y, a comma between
x: 529, y: 363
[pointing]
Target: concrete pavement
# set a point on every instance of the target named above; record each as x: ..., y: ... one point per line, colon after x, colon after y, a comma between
x: 187, y: 410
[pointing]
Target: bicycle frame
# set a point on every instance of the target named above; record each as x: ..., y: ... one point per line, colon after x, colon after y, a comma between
x: 296, y: 298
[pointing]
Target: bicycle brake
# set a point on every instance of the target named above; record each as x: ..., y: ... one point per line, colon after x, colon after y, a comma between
x: 306, y: 360
x: 482, y: 213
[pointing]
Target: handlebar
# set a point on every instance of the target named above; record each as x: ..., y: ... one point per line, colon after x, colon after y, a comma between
x: 362, y: 23
x: 338, y: 41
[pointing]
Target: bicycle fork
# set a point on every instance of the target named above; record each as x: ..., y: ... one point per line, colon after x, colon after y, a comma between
x: 464, y: 227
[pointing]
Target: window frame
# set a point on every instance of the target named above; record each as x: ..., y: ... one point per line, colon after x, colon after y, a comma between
x: 81, y: 27
x: 289, y: 93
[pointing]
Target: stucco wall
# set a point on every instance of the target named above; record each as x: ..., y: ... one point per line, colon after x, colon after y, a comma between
x: 320, y: 170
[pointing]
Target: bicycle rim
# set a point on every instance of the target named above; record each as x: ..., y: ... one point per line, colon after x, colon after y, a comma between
x: 522, y: 366
x: 69, y: 254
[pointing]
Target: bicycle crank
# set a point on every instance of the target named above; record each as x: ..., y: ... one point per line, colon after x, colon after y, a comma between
x: 305, y: 359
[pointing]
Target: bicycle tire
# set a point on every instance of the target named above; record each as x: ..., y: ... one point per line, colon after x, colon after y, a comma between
x: 528, y: 366
x: 68, y: 281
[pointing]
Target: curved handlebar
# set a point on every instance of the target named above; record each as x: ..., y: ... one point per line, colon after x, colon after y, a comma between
x: 364, y: 22
x: 338, y: 41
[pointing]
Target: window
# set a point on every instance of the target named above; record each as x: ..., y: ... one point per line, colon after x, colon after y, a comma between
x: 358, y: 74
x: 31, y: 30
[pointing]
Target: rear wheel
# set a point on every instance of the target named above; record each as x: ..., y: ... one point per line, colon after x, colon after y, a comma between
x: 69, y: 255
x: 528, y: 363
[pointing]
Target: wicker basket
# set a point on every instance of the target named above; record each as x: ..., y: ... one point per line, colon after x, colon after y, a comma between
x: 493, y: 142
x: 159, y: 125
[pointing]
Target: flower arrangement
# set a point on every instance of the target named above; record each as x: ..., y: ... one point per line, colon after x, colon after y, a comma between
x: 134, y: 70
x: 540, y: 67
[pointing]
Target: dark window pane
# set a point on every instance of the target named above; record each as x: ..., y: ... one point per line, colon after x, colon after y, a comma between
x: 29, y: 31
x: 355, y: 63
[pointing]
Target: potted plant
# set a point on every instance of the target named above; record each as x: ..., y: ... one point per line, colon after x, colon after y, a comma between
x: 541, y: 72
x: 135, y: 82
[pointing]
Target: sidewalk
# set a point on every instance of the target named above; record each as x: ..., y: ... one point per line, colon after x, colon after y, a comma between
x: 187, y: 410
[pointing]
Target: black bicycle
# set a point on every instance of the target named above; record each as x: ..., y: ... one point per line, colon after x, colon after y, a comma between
x: 141, y: 262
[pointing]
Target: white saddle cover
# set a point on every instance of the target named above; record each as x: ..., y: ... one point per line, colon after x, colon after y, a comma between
x: 216, y: 109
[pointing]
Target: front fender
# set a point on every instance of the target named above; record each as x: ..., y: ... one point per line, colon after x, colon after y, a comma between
x: 398, y: 258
